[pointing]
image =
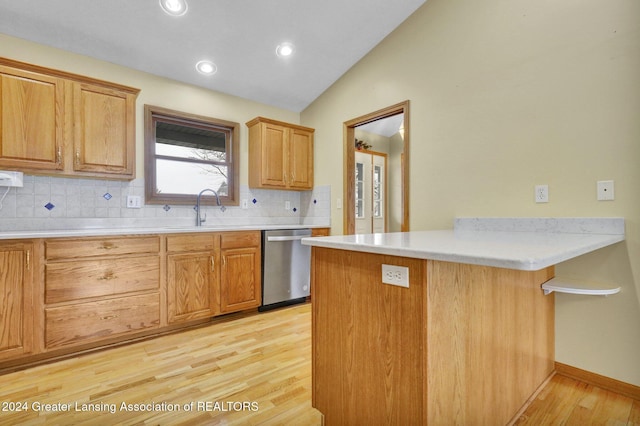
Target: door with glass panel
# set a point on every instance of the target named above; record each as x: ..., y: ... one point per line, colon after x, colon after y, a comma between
x: 370, y: 192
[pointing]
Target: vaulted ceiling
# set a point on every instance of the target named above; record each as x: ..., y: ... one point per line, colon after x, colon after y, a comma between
x: 239, y: 36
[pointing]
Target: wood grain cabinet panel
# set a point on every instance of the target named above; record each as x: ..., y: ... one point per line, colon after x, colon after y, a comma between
x: 93, y: 321
x: 31, y: 120
x: 240, y: 275
x: 102, y: 246
x: 280, y: 155
x: 191, y: 286
x: 66, y: 281
x: 104, y: 141
x: 16, y: 300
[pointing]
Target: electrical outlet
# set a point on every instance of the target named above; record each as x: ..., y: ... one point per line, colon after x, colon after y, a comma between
x: 134, y: 202
x: 542, y: 193
x: 287, y: 205
x: 245, y: 204
x: 395, y: 275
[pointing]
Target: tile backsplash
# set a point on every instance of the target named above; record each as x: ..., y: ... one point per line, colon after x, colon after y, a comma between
x: 66, y: 203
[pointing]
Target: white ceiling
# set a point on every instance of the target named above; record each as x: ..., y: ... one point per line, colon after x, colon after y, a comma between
x: 239, y: 36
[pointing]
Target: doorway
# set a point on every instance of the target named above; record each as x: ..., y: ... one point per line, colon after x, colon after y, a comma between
x: 394, y: 179
x: 371, y: 192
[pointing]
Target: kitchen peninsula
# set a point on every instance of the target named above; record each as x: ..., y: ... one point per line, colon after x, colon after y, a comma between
x: 467, y: 340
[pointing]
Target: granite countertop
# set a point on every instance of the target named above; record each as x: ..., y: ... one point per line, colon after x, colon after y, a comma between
x: 141, y: 230
x: 527, y: 244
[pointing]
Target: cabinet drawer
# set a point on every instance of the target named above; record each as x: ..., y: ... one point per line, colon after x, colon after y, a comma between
x: 240, y: 239
x: 191, y: 242
x: 86, y: 322
x: 65, y: 281
x: 87, y: 247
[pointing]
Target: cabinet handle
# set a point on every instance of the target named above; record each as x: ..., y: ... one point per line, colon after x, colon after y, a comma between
x: 78, y: 157
x: 213, y: 263
x: 107, y: 276
x: 28, y: 260
x: 108, y: 246
x: 109, y: 317
x: 59, y: 156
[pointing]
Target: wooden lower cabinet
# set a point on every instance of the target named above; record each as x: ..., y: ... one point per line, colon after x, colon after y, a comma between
x: 60, y: 295
x: 212, y: 273
x: 240, y: 276
x: 191, y: 286
x: 16, y: 300
x: 100, y: 288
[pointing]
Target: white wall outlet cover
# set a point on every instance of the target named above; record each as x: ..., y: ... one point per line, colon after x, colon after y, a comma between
x: 134, y: 202
x: 395, y: 275
x: 542, y: 193
x: 605, y: 190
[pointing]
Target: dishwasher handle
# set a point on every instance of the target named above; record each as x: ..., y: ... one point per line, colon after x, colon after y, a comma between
x: 288, y: 237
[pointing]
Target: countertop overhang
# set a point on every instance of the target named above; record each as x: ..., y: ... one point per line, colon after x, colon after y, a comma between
x: 524, y: 244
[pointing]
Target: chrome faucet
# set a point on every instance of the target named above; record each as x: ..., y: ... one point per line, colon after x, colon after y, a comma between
x: 199, y: 220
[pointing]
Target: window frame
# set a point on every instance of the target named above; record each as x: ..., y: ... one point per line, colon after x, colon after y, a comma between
x: 152, y: 114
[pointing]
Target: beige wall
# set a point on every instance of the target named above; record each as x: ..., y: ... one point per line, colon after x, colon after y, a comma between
x: 504, y: 96
x: 155, y: 90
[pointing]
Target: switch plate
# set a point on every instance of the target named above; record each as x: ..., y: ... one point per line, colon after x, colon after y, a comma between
x: 134, y: 202
x: 338, y: 203
x: 542, y: 193
x: 395, y: 275
x: 605, y: 190
x: 287, y: 205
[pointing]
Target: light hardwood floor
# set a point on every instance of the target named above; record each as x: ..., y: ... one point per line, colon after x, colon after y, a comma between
x: 263, y: 359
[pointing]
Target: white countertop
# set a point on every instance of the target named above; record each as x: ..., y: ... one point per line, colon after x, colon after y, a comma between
x: 140, y: 230
x: 514, y: 249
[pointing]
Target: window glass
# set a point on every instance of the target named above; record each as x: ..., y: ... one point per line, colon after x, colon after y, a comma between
x: 187, y: 153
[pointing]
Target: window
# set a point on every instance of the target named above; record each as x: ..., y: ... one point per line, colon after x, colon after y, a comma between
x: 186, y: 153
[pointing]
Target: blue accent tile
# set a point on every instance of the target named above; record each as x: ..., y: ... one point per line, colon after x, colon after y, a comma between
x: 107, y: 196
x: 166, y: 207
x: 295, y: 210
x: 223, y: 208
x: 315, y: 201
x: 49, y: 206
x: 254, y: 201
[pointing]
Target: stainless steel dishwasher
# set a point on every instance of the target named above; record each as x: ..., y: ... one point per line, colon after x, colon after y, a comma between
x: 286, y: 267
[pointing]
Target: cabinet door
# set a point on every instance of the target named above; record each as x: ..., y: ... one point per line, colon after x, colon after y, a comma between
x: 273, y: 161
x: 31, y: 120
x: 300, y: 159
x: 104, y: 140
x: 240, y: 282
x: 191, y: 285
x: 16, y: 300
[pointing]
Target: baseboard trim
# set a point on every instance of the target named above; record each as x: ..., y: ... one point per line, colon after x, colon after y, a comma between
x: 607, y: 383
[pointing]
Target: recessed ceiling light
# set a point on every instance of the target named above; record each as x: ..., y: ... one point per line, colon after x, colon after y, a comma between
x: 206, y: 67
x: 174, y: 7
x: 285, y: 49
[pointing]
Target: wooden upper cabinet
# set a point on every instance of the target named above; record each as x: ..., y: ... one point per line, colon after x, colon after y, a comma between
x: 104, y: 140
x: 280, y: 155
x: 57, y: 123
x: 31, y: 123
